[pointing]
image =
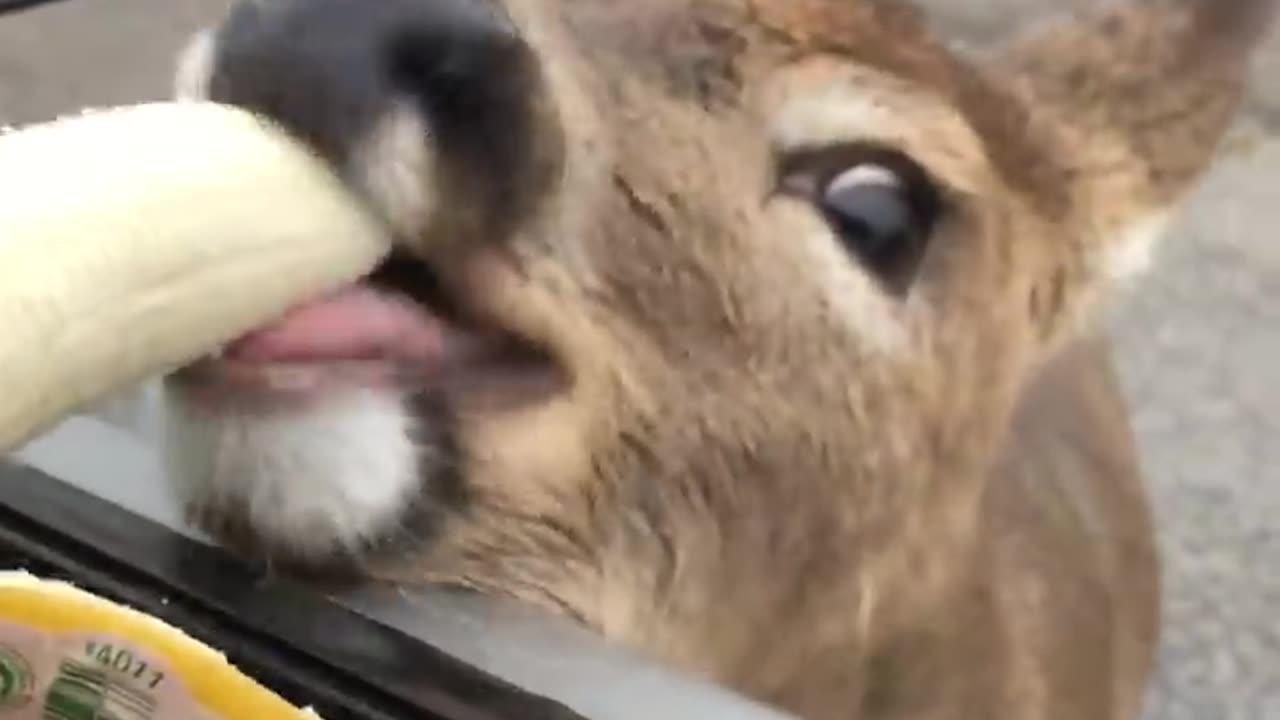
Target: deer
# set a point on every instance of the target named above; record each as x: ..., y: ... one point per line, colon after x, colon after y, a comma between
x: 760, y: 337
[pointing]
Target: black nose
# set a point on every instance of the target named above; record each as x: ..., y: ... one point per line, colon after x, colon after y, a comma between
x: 330, y: 70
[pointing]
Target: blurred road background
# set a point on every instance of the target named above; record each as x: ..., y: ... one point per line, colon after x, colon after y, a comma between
x: 1199, y: 342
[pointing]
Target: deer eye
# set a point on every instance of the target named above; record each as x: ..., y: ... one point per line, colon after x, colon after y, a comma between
x: 881, y: 205
x: 872, y: 212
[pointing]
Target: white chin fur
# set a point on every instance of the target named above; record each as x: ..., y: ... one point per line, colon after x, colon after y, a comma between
x: 314, y: 481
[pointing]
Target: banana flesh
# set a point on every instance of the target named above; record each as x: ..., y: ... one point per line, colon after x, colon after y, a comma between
x: 137, y: 239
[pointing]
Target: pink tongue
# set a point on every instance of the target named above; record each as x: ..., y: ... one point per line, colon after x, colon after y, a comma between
x: 358, y: 323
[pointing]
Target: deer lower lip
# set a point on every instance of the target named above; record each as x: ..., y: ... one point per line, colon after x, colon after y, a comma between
x: 215, y: 383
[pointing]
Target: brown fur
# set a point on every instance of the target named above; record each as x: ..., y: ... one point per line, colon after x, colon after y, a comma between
x: 745, y: 480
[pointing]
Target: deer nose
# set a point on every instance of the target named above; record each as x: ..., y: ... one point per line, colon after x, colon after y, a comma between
x: 333, y: 72
x: 328, y: 70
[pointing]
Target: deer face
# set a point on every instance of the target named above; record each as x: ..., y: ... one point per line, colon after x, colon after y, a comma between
x: 700, y: 304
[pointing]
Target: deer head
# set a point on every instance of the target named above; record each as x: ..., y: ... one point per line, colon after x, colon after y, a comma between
x: 711, y: 316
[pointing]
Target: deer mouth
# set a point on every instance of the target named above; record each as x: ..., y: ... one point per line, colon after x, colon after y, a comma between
x: 400, y: 329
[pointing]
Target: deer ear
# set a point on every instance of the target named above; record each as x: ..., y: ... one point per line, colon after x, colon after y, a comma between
x: 1136, y: 99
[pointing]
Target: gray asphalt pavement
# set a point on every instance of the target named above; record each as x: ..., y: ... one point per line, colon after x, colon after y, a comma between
x: 1199, y: 341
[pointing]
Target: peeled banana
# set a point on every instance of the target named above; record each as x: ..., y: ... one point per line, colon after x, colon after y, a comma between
x: 136, y: 239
